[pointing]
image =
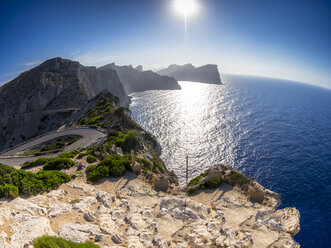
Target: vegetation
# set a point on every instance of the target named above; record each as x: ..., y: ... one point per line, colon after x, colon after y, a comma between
x: 112, y: 166
x: 56, y: 242
x: 127, y: 141
x: 59, y: 145
x: 213, y: 183
x: 14, y: 182
x: 38, y: 162
x: 74, y: 201
x: 149, y: 137
x: 57, y: 163
x: 95, y: 116
x: 239, y: 178
x: 70, y: 154
x: 196, y: 180
x: 91, y: 159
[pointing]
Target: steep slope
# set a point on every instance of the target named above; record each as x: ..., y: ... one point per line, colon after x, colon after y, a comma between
x: 135, y: 79
x: 204, y: 74
x: 43, y: 98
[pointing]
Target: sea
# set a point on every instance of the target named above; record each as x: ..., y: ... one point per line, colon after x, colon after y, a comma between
x: 276, y: 131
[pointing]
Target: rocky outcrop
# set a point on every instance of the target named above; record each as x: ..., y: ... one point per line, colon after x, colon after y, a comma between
x: 136, y: 80
x: 204, y: 74
x: 128, y: 212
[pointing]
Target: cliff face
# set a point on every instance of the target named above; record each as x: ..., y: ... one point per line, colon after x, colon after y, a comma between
x: 204, y: 74
x: 43, y: 98
x: 135, y: 79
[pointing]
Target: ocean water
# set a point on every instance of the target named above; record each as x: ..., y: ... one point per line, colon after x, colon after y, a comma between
x: 275, y: 131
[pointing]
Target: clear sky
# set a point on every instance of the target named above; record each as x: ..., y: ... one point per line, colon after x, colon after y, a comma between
x: 288, y: 39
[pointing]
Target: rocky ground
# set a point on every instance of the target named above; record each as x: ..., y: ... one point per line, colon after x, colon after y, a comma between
x: 129, y: 212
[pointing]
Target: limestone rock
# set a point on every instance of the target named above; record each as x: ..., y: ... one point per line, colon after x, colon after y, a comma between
x: 290, y: 220
x: 25, y: 205
x: 77, y: 232
x: 58, y: 209
x: 30, y: 229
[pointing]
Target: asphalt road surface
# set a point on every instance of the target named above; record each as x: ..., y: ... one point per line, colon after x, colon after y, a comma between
x: 90, y: 136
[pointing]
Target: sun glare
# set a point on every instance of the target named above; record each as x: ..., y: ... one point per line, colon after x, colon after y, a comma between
x: 185, y: 7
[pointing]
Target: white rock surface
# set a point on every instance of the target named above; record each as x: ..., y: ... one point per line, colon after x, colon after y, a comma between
x: 30, y: 229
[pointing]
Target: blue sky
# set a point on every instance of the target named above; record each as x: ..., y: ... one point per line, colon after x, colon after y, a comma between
x: 288, y: 39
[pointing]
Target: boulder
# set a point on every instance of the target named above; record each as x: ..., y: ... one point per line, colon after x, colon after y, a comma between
x: 29, y: 230
x: 57, y: 209
x: 161, y: 183
x: 77, y: 232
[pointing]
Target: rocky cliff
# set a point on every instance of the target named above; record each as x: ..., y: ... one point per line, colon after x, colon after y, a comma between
x: 43, y: 98
x: 135, y: 79
x: 204, y: 74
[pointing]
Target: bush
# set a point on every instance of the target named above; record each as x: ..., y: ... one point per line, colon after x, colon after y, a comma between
x: 70, y: 154
x: 55, y: 242
x: 114, y: 165
x: 59, y: 164
x: 213, y: 183
x: 81, y: 155
x: 149, y: 137
x: 38, y: 162
x: 8, y: 191
x: 240, y: 178
x: 126, y: 141
x: 91, y: 159
x: 196, y: 180
x: 14, y: 182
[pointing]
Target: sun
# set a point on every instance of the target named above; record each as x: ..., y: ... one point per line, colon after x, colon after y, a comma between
x: 185, y: 7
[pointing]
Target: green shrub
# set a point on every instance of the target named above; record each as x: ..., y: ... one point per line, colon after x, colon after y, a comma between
x: 91, y: 159
x: 158, y: 165
x: 97, y: 172
x: 59, y: 164
x: 240, y: 178
x: 146, y: 165
x: 114, y: 165
x: 14, y: 182
x: 74, y: 201
x: 8, y: 191
x: 196, y: 180
x: 56, y: 242
x: 127, y: 142
x: 81, y: 155
x: 70, y: 154
x: 213, y: 183
x: 38, y: 162
x: 149, y: 137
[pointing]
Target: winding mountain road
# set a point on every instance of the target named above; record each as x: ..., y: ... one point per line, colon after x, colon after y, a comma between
x: 90, y: 136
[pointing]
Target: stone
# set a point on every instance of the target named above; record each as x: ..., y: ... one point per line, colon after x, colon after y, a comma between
x: 29, y: 230
x: 80, y: 207
x: 116, y: 239
x: 77, y: 232
x: 290, y: 220
x: 25, y: 205
x: 107, y: 225
x: 161, y: 183
x: 4, y: 215
x: 106, y: 198
x: 89, y: 217
x: 57, y: 209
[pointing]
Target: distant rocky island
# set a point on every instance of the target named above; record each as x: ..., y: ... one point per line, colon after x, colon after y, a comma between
x: 136, y: 80
x: 204, y: 74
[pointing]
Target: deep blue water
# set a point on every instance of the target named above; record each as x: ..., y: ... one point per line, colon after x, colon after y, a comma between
x: 276, y: 131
